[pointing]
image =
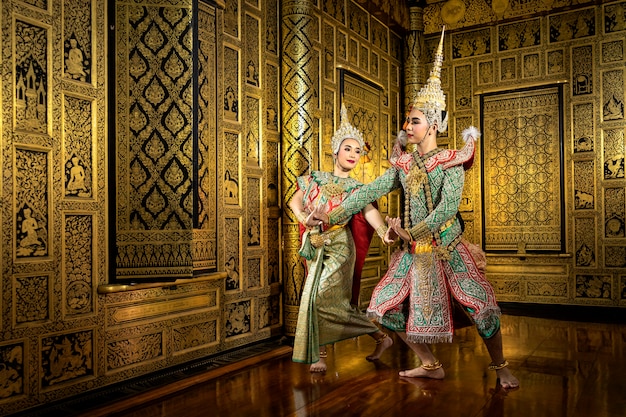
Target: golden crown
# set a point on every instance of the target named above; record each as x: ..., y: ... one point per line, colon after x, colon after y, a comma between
x: 430, y: 96
x: 346, y: 131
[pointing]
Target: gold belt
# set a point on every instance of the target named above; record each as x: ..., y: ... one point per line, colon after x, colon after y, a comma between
x: 319, y: 239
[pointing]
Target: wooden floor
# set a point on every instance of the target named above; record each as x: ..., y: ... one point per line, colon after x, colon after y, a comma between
x: 566, y: 369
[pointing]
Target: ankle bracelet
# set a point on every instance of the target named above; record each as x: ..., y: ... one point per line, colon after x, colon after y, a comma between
x: 493, y: 367
x: 381, y: 339
x: 323, y: 354
x: 432, y: 366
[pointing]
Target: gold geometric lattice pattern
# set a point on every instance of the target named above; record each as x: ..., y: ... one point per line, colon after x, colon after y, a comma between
x: 522, y: 169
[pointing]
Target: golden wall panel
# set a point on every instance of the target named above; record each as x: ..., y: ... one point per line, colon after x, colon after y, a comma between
x: 252, y: 52
x: 231, y: 84
x: 14, y: 356
x: 583, y: 82
x: 613, y: 51
x: 255, y: 221
x: 522, y: 182
x: 507, y: 288
x: 126, y: 315
x: 585, y: 238
x: 613, y: 153
x: 78, y: 264
x: 232, y: 172
x: 78, y: 42
x: 612, y: 84
x: 32, y: 84
x: 273, y: 251
x: 615, y: 257
x: 32, y: 299
x: 78, y: 140
x: 33, y: 220
x: 232, y: 261
x: 253, y: 132
x: 130, y: 352
x: 594, y: 289
x: 270, y: 312
x: 195, y: 336
x: 66, y: 358
x: 614, y: 212
x: 272, y: 85
x: 238, y: 318
x: 254, y: 272
x: 271, y: 28
x: 583, y: 127
x: 584, y: 185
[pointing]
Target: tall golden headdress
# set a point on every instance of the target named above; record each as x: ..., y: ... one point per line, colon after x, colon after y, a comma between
x: 431, y: 100
x: 345, y: 131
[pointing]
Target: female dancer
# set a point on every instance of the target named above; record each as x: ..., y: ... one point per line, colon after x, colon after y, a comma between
x: 326, y: 315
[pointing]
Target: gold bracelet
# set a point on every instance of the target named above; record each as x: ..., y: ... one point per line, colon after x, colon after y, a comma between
x: 302, y: 216
x: 382, y: 230
x: 410, y: 235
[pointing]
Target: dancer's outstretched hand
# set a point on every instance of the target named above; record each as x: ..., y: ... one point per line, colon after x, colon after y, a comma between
x: 390, y: 237
x: 395, y: 224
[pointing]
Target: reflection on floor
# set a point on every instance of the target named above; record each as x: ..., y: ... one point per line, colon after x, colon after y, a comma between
x: 566, y: 369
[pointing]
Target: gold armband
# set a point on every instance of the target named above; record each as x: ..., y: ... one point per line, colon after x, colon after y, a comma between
x: 420, y: 232
x: 337, y: 214
x: 382, y: 230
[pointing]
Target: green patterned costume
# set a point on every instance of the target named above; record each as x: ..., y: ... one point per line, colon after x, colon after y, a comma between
x: 326, y: 315
x: 415, y: 295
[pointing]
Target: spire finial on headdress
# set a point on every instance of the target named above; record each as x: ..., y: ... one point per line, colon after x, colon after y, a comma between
x: 345, y: 131
x: 431, y: 98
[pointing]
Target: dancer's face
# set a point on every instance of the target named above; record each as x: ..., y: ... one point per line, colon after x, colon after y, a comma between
x: 348, y: 155
x: 417, y: 127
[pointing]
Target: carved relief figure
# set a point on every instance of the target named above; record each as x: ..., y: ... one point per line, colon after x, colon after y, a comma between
x: 252, y: 77
x: 584, y: 256
x: 238, y: 321
x: 613, y: 108
x: 230, y: 102
x: 531, y: 65
x: 254, y: 232
x: 583, y: 144
x: 583, y: 200
x: 74, y: 66
x: 231, y: 189
x: 31, y: 97
x: 614, y: 167
x: 76, y: 182
x: 272, y: 117
x: 29, y: 241
x: 11, y: 371
x: 253, y: 149
x: 68, y: 357
x: 589, y: 286
x: 232, y: 274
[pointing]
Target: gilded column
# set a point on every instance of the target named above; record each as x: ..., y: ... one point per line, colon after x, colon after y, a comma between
x: 298, y: 134
x: 414, y: 54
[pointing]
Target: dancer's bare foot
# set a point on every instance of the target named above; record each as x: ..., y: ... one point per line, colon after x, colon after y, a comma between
x: 319, y: 366
x: 431, y: 370
x: 382, y: 344
x: 506, y: 378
